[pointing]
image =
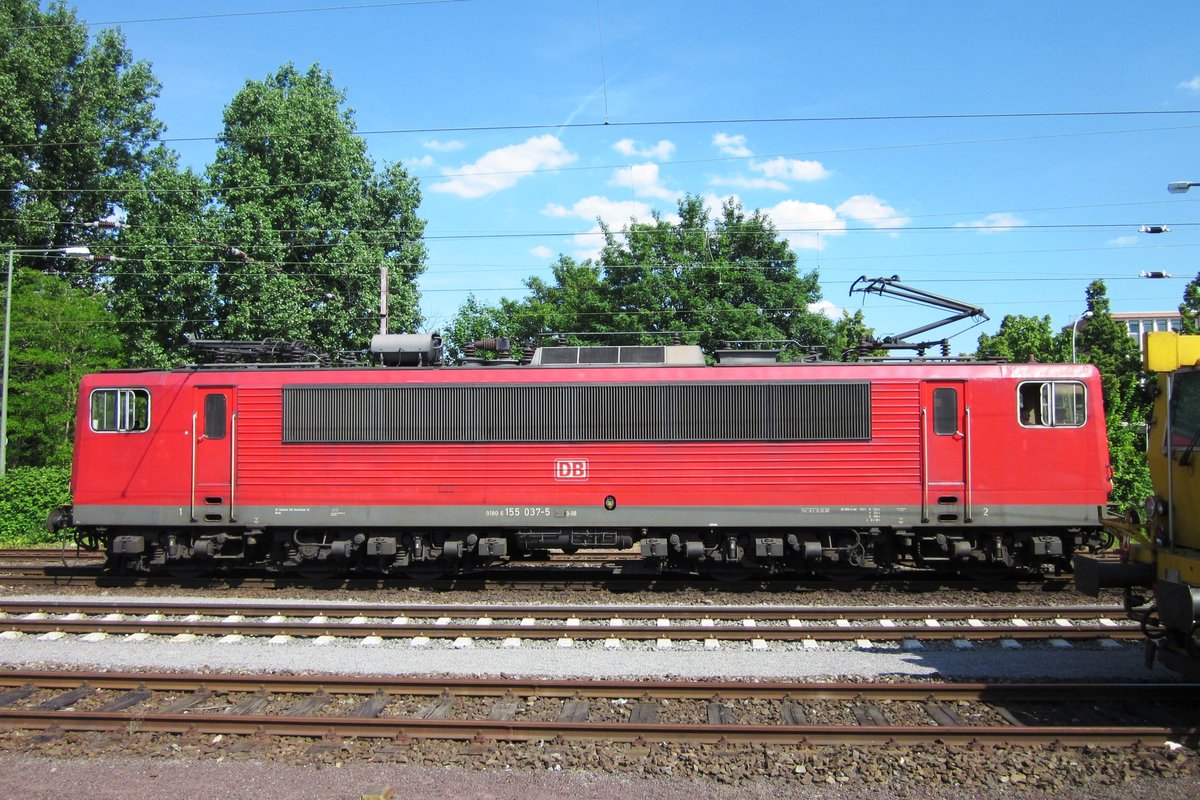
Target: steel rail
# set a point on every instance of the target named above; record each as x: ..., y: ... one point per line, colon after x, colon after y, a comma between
x: 408, y: 630
x: 401, y: 728
x: 566, y: 575
x: 509, y: 730
x: 521, y: 611
x: 1177, y: 693
x: 48, y: 554
x: 54, y: 553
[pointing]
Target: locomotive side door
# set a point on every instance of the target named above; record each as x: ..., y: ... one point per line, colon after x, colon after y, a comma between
x: 214, y: 452
x: 945, y: 452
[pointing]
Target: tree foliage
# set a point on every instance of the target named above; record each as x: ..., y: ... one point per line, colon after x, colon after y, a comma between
x: 1189, y: 309
x: 76, y: 120
x: 162, y: 289
x: 1105, y: 342
x: 295, y: 190
x: 27, y: 496
x: 1020, y: 339
x: 725, y: 278
x: 59, y: 334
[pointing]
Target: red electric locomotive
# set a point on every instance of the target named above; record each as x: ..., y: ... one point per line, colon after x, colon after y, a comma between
x: 745, y: 466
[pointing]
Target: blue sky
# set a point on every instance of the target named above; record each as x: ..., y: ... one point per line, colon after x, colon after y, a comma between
x: 958, y: 145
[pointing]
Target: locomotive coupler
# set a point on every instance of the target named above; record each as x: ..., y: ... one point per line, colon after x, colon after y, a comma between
x: 59, y: 518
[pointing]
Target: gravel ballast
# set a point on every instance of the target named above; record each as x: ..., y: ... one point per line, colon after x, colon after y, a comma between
x: 140, y: 766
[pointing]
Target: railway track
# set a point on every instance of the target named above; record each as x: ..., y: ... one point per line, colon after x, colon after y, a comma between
x: 570, y: 574
x: 57, y: 555
x: 53, y: 555
x: 513, y: 625
x: 493, y: 710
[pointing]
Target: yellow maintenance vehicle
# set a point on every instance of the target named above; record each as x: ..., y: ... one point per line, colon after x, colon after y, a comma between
x: 1163, y: 552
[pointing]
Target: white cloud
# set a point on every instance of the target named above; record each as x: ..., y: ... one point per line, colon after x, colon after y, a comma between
x: 1123, y: 241
x: 541, y: 251
x: 734, y: 145
x: 629, y: 148
x: 1192, y: 86
x: 743, y: 182
x: 826, y: 309
x: 790, y: 169
x: 611, y: 212
x: 644, y: 180
x: 616, y: 214
x: 503, y: 168
x: 870, y: 209
x: 443, y: 147
x: 1000, y: 222
x: 713, y: 203
x: 420, y: 162
x: 805, y: 224
x: 776, y: 173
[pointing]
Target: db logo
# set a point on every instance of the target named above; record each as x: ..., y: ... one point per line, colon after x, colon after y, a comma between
x: 570, y: 469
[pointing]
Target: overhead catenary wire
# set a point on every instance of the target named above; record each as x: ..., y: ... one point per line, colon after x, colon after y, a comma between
x: 371, y: 320
x: 387, y: 234
x: 701, y: 122
x: 938, y: 277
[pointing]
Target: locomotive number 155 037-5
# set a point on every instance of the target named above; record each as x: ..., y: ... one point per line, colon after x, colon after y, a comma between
x: 527, y: 512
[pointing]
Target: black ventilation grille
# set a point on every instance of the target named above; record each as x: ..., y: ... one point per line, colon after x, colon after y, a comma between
x: 533, y: 413
x: 627, y: 354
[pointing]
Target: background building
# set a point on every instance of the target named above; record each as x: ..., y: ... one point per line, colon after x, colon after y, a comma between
x: 1142, y: 322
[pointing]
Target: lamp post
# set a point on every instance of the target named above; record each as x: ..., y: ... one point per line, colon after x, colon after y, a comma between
x: 1179, y: 187
x: 70, y: 252
x: 1075, y: 331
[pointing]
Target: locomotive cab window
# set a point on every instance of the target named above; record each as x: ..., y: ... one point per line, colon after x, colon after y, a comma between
x: 120, y: 410
x: 1052, y: 404
x: 945, y: 412
x: 214, y: 416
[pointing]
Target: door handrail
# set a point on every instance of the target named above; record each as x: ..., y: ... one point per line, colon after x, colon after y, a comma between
x: 192, y: 488
x: 232, y: 463
x: 967, y: 455
x: 924, y: 465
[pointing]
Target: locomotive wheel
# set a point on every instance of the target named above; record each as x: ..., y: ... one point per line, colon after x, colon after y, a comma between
x: 318, y: 572
x: 425, y: 571
x: 186, y: 569
x: 726, y: 572
x: 987, y: 570
x: 841, y: 572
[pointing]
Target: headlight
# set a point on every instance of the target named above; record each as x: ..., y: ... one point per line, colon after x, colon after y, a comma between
x: 1156, y: 507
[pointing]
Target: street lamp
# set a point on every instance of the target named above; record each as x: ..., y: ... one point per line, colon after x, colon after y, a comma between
x: 1179, y: 187
x: 1075, y: 331
x: 70, y: 252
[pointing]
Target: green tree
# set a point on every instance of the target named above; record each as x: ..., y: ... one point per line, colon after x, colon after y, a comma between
x: 728, y: 278
x: 59, y: 334
x: 163, y: 288
x: 1106, y: 343
x: 1020, y: 339
x: 76, y: 119
x: 849, y: 333
x: 295, y: 190
x: 1189, y: 309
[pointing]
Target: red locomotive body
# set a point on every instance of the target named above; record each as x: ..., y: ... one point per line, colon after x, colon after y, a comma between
x: 722, y: 469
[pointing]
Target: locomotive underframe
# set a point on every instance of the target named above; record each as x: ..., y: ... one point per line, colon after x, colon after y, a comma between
x: 724, y: 552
